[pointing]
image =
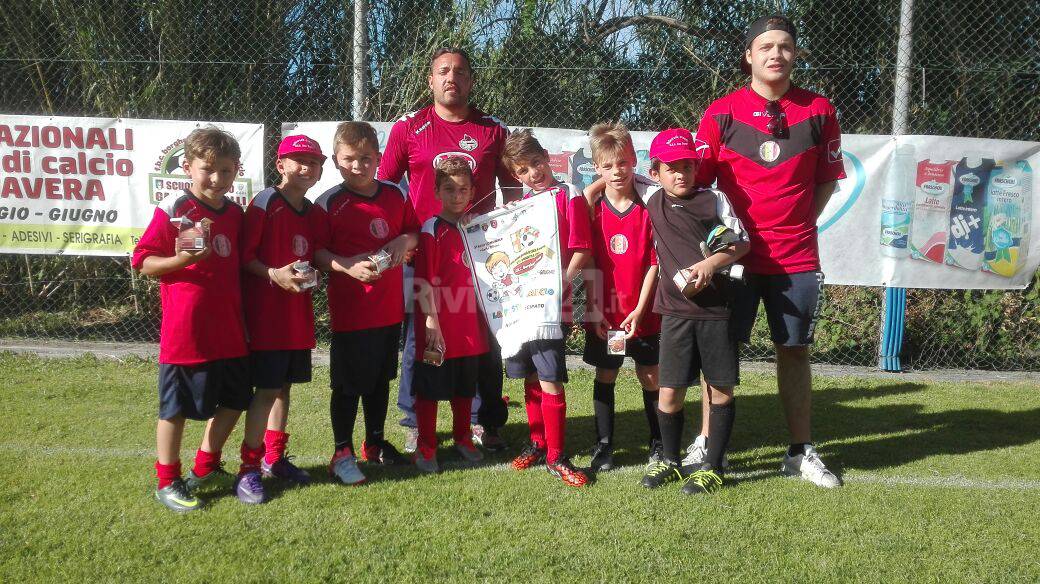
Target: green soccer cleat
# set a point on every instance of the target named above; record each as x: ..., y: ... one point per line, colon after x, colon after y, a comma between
x: 216, y: 480
x: 705, y: 480
x: 176, y: 497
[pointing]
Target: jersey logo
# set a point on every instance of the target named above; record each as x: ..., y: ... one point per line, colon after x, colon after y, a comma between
x: 378, y: 228
x: 769, y: 151
x: 422, y: 127
x: 222, y: 245
x: 445, y: 155
x: 618, y: 244
x: 299, y: 245
x: 834, y: 150
x: 699, y: 146
x: 468, y: 143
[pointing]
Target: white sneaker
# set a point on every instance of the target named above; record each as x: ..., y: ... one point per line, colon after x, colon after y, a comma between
x: 411, y: 439
x: 344, y: 467
x: 697, y: 453
x: 810, y: 468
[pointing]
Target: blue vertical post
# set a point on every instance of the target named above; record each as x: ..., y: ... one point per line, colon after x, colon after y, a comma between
x: 894, y: 308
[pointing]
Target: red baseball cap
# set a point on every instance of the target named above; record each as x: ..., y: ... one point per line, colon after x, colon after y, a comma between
x: 299, y: 144
x: 676, y: 144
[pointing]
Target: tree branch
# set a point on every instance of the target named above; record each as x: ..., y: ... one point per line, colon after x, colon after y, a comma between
x: 613, y: 25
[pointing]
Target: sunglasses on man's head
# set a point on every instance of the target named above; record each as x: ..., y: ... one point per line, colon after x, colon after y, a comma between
x: 776, y: 125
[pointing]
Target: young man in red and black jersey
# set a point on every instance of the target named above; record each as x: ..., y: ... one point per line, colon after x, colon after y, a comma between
x: 203, y: 362
x: 451, y: 127
x: 775, y: 151
x: 357, y: 220
x: 278, y: 233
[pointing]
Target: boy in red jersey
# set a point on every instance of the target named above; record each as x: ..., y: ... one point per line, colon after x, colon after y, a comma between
x: 366, y: 229
x: 450, y: 334
x: 541, y: 363
x: 278, y: 233
x: 203, y: 363
x: 622, y: 288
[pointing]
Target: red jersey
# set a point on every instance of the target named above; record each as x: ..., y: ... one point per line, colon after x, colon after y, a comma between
x: 420, y: 140
x: 572, y: 212
x: 202, y: 303
x: 771, y: 181
x: 276, y: 234
x: 623, y: 249
x: 441, y: 262
x: 347, y: 224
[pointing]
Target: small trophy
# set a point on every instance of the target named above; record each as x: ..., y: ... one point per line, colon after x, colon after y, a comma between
x: 304, y: 268
x: 433, y: 356
x: 192, y: 236
x: 382, y: 259
x: 616, y: 342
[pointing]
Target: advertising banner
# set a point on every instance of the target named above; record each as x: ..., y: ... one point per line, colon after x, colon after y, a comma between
x: 88, y: 186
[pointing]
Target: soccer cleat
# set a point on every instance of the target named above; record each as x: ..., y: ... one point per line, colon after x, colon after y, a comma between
x: 216, y: 479
x: 381, y: 453
x: 344, y: 467
x: 469, y: 453
x: 656, y: 452
x: 411, y: 439
x: 697, y: 453
x: 602, y: 457
x: 810, y: 468
x: 489, y: 438
x: 565, y: 471
x: 177, y: 497
x: 702, y: 480
x: 250, y: 489
x: 659, y: 474
x: 529, y: 456
x: 283, y: 468
x: 427, y: 465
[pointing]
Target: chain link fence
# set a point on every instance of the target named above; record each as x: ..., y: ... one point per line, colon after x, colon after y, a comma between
x: 973, y: 71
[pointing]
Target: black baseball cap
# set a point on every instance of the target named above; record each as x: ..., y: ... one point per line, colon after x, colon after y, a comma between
x: 763, y: 25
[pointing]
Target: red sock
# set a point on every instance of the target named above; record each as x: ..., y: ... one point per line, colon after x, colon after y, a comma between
x: 274, y: 445
x: 533, y: 404
x: 426, y: 422
x: 554, y: 411
x: 205, y: 462
x: 460, y: 414
x: 250, y: 458
x: 167, y: 473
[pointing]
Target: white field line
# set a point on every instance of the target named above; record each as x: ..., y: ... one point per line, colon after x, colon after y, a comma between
x: 852, y: 478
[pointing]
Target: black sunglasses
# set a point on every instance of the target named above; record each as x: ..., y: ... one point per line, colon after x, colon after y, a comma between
x: 776, y: 126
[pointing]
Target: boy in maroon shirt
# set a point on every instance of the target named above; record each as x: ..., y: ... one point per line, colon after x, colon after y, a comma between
x: 622, y: 289
x: 203, y: 364
x: 541, y: 363
x: 450, y: 334
x: 278, y: 233
x: 365, y: 230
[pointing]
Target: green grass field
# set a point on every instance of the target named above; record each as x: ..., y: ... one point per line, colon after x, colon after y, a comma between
x: 942, y: 485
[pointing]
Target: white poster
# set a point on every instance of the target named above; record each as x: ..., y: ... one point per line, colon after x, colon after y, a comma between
x: 913, y: 211
x: 514, y: 254
x: 88, y: 186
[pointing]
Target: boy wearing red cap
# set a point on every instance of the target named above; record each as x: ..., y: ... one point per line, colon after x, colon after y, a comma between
x: 694, y: 306
x: 277, y: 250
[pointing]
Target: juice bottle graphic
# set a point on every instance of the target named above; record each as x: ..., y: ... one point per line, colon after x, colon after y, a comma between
x: 931, y: 217
x: 1008, y: 214
x: 897, y: 204
x: 583, y: 172
x: 966, y: 244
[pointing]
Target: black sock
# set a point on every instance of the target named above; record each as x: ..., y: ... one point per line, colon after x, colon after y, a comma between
x: 343, y: 409
x: 375, y: 405
x: 671, y: 434
x: 797, y: 448
x: 603, y: 405
x: 720, y: 426
x: 650, y: 401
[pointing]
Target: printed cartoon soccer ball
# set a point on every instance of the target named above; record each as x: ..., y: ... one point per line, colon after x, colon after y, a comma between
x: 525, y: 238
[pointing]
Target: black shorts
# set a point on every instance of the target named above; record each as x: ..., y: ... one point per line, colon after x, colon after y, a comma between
x: 361, y: 362
x: 196, y: 391
x: 546, y: 357
x: 276, y: 369
x: 643, y: 350
x: 792, y: 301
x: 690, y: 347
x: 454, y: 378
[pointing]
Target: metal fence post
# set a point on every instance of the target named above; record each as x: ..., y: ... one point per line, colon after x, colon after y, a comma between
x: 894, y: 309
x: 360, y: 96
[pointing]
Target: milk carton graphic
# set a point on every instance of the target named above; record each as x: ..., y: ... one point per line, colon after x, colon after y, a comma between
x: 897, y: 204
x: 931, y: 217
x: 583, y: 171
x: 1008, y: 214
x: 967, y: 240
